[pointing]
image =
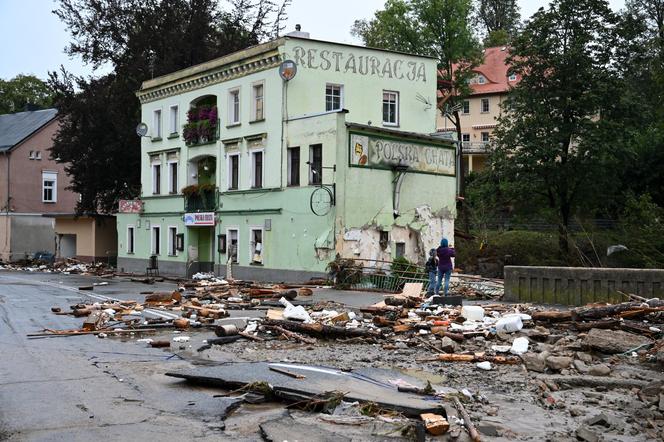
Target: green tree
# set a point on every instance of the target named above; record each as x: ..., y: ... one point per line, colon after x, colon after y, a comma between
x: 438, y: 28
x: 139, y: 39
x: 499, y: 19
x: 23, y: 90
x: 555, y: 142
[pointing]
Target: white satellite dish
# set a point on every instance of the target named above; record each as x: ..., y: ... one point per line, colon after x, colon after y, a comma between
x: 142, y: 129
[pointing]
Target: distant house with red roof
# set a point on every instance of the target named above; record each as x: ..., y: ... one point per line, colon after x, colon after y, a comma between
x: 489, y: 87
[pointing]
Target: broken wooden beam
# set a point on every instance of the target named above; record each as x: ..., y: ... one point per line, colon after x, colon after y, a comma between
x: 323, y: 331
x: 454, y: 357
x: 467, y: 422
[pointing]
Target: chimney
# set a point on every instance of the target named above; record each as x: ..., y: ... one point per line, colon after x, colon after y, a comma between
x: 298, y: 32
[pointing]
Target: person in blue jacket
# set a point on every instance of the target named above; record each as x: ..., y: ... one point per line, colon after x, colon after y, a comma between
x: 444, y: 254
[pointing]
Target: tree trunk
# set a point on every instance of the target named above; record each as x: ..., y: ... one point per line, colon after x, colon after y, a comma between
x: 563, y: 229
x: 462, y: 176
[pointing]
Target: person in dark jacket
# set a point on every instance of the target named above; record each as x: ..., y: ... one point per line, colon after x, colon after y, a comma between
x: 431, y: 268
x: 445, y: 254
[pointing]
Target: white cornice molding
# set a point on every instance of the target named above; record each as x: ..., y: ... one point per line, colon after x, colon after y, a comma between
x: 210, y: 78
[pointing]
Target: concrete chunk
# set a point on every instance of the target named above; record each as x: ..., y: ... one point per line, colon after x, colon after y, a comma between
x: 613, y: 341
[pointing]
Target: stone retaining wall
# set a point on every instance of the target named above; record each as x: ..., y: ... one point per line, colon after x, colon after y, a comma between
x: 579, y: 285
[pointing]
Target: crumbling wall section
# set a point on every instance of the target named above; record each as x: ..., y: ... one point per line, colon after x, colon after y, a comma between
x: 418, y: 233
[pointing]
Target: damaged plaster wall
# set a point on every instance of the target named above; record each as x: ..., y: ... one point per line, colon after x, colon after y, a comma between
x: 420, y: 233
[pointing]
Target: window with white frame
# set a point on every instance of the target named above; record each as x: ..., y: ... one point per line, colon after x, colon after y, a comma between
x: 233, y: 238
x: 466, y: 107
x: 174, y: 120
x: 156, y: 124
x: 485, y: 137
x: 234, y: 106
x: 256, y: 245
x: 465, y: 138
x: 173, y: 176
x: 485, y: 105
x: 316, y: 164
x: 258, y: 100
x: 156, y: 240
x: 333, y: 97
x: 257, y: 169
x: 172, y: 241
x: 294, y: 166
x: 481, y: 79
x: 390, y: 108
x: 512, y: 77
x: 155, y: 161
x: 131, y: 239
x: 49, y: 187
x: 233, y: 171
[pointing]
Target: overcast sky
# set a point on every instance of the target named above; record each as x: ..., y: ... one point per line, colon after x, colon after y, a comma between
x: 32, y: 39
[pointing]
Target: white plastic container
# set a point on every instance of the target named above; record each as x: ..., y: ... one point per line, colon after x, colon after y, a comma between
x: 509, y: 324
x: 472, y: 312
x: 519, y: 346
x: 486, y: 365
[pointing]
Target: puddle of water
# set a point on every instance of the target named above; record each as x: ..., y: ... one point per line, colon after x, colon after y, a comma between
x: 424, y: 375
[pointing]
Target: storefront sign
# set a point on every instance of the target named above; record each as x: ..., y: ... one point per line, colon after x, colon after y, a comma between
x: 130, y: 206
x: 367, y: 65
x: 386, y: 153
x: 199, y: 219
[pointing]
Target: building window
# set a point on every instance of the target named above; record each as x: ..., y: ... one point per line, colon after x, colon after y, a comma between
x: 174, y: 120
x: 172, y: 241
x: 316, y: 164
x: 156, y: 175
x: 256, y: 246
x: 333, y: 97
x: 131, y: 239
x: 485, y: 137
x: 466, y: 107
x: 232, y: 244
x: 294, y: 166
x: 258, y: 102
x: 481, y: 79
x: 173, y: 177
x: 465, y: 138
x: 512, y: 77
x: 257, y: 169
x: 156, y: 240
x: 233, y: 171
x: 49, y: 187
x: 400, y: 249
x: 234, y: 106
x: 485, y: 105
x: 38, y: 155
x: 156, y: 124
x: 390, y: 108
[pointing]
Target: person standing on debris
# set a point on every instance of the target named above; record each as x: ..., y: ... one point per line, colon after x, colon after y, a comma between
x: 445, y: 254
x: 431, y: 267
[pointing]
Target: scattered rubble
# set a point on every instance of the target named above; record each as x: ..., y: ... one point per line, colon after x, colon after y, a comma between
x: 553, y: 351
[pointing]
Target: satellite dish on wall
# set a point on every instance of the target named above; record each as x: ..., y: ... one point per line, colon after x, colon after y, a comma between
x: 287, y: 70
x: 142, y: 130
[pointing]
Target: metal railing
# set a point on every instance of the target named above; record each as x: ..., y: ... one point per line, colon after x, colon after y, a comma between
x: 476, y: 147
x: 205, y: 201
x: 383, y: 276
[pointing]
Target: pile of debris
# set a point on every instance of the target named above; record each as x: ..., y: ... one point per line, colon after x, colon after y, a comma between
x: 69, y: 266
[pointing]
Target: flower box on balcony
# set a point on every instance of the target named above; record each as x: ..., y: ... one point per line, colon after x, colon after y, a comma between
x: 202, y: 125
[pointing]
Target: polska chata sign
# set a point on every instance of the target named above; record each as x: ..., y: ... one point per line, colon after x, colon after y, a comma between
x: 199, y: 219
x: 386, y: 153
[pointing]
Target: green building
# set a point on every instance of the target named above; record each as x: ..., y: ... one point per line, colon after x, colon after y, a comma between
x: 283, y: 155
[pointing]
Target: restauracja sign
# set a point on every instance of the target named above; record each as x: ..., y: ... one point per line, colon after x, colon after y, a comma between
x: 383, y: 153
x: 346, y: 62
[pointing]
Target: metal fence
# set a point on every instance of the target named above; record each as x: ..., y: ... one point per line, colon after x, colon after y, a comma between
x: 383, y: 276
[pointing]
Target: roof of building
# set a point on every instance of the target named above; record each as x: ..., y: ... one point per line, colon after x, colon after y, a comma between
x: 15, y: 128
x: 495, y: 71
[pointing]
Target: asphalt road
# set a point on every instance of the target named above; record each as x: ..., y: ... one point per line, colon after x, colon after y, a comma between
x: 86, y: 388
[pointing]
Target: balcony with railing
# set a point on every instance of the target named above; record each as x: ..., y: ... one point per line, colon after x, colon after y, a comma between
x: 202, y: 122
x: 476, y: 147
x: 201, y: 198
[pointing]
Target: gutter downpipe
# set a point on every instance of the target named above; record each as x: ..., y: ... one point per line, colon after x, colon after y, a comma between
x: 7, y: 157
